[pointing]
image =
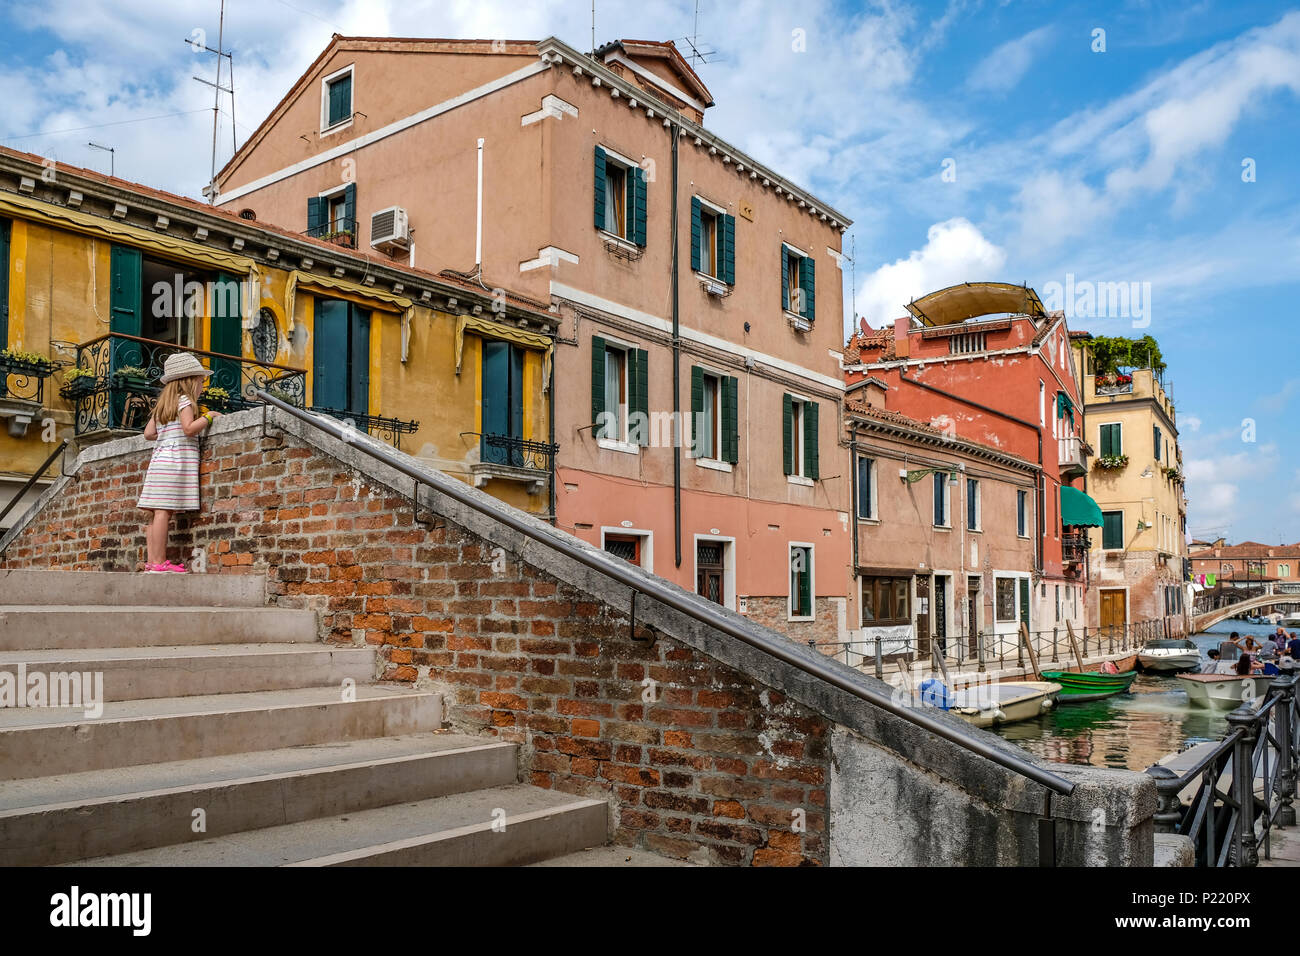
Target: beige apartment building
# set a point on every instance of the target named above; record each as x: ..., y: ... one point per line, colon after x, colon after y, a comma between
x: 693, y: 285
x: 1136, y: 560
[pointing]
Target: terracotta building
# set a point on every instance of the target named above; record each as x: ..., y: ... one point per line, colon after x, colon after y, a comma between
x: 693, y: 286
x: 1136, y: 560
x: 986, y: 363
x: 945, y: 546
x: 1249, y: 564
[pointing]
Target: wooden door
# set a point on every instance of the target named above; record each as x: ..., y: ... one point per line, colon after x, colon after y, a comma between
x: 709, y: 569
x: 972, y: 613
x: 1114, y: 612
x: 923, y: 617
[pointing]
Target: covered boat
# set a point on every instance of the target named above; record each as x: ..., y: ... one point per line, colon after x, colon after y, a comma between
x: 1090, y: 685
x: 988, y: 705
x: 1172, y: 655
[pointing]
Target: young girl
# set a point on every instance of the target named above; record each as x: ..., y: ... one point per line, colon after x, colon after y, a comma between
x: 172, y: 482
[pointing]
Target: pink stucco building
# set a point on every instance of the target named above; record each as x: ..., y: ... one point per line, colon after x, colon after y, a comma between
x: 694, y: 286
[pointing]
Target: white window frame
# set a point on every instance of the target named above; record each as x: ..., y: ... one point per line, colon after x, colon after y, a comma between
x: 812, y: 581
x: 647, y: 542
x: 947, y: 501
x: 620, y: 444
x: 728, y: 566
x: 714, y: 460
x: 1101, y: 425
x: 627, y: 166
x: 873, y: 502
x: 719, y: 214
x: 325, y: 128
x: 787, y: 247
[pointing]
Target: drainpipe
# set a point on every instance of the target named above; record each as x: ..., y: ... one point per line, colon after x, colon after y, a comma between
x: 1038, y: 431
x: 478, y: 231
x: 853, y: 504
x: 677, y: 374
x: 550, y: 414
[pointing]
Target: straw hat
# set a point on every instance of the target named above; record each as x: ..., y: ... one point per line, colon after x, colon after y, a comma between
x: 182, y: 365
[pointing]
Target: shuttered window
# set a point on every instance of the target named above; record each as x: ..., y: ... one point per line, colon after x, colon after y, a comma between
x: 866, y: 494
x: 940, y: 480
x: 620, y: 379
x: 713, y: 242
x: 1112, y: 530
x: 501, y: 393
x: 341, y: 357
x: 715, y: 432
x: 620, y: 198
x: 1155, y: 435
x: 799, y: 437
x: 338, y: 94
x: 1022, y: 513
x: 798, y: 283
x: 1112, y: 440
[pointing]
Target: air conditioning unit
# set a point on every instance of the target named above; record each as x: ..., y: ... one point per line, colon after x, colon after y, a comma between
x: 390, y: 230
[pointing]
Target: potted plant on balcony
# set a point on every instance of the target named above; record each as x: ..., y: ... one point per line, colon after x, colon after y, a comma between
x: 133, y: 377
x: 214, y: 396
x: 341, y: 237
x: 15, y: 361
x: 1111, y: 462
x: 1173, y: 473
x: 78, y: 382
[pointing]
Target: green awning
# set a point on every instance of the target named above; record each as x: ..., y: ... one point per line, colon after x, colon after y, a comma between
x: 1078, y: 509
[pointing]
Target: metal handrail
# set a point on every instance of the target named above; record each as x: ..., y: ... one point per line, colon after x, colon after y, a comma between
x: 665, y: 595
x: 35, y: 476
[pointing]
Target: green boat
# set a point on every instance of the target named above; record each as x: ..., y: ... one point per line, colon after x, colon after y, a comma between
x: 1090, y: 685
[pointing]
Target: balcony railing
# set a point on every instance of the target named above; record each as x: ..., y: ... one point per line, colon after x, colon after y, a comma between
x: 390, y: 430
x: 342, y: 232
x: 516, y: 452
x: 1074, y: 546
x: 1114, y: 385
x: 1072, y: 459
x: 116, y: 377
x: 24, y: 378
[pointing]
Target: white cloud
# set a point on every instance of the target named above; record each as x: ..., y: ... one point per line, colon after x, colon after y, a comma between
x: 954, y: 251
x: 1003, y: 69
x: 1191, y: 423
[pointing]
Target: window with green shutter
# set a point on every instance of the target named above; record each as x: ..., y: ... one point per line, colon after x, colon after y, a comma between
x: 713, y: 242
x: 1112, y: 443
x: 620, y: 198
x: 338, y: 96
x: 620, y: 392
x: 798, y: 283
x: 730, y: 420
x: 1112, y: 530
x: 799, y: 437
x: 808, y: 285
x: 787, y: 433
x: 812, y: 466
x: 715, y: 430
x: 1155, y: 435
x: 639, y: 396
x: 597, y: 381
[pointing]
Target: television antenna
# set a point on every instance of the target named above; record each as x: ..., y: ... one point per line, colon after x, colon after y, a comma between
x: 697, y: 52
x: 210, y: 191
x: 112, y: 156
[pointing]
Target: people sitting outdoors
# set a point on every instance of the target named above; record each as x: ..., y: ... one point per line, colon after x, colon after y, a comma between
x: 1215, y: 665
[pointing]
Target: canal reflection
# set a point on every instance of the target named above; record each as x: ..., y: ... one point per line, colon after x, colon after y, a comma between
x: 1131, y: 731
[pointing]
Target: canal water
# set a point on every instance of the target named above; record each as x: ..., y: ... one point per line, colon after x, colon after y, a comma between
x: 1134, y: 730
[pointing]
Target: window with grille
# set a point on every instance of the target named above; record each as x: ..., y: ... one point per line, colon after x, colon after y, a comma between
x: 625, y: 546
x: 966, y: 343
x: 709, y: 568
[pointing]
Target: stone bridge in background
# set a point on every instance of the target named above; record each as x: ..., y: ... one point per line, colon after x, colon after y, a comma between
x: 1205, y: 619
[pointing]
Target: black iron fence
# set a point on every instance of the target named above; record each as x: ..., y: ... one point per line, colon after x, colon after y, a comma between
x: 516, y: 452
x: 23, y: 377
x: 342, y: 231
x: 1230, y: 800
x: 389, y: 429
x: 114, y: 382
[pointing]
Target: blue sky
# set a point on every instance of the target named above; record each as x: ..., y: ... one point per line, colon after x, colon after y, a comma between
x: 967, y: 139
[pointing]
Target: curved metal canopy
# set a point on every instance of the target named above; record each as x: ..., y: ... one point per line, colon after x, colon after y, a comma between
x: 957, y: 303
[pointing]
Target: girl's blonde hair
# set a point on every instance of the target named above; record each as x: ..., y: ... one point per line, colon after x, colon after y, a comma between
x: 167, y: 408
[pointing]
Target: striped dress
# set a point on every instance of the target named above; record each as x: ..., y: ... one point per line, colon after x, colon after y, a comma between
x: 172, y: 481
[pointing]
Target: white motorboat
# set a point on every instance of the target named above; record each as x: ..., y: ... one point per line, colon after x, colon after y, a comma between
x: 989, y: 705
x: 1291, y: 620
x: 1224, y: 691
x: 1174, y: 655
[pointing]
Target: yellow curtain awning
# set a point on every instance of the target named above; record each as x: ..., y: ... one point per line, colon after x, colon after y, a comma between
x: 505, y: 333
x: 364, y: 295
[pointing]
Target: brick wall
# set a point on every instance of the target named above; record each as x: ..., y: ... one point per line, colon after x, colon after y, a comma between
x: 773, y: 612
x: 696, y: 759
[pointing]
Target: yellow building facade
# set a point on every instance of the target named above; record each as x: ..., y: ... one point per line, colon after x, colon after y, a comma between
x: 1136, y: 558
x: 101, y: 280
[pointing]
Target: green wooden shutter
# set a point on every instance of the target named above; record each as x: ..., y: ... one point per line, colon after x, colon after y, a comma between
x: 808, y: 283
x: 785, y: 284
x: 787, y: 432
x: 4, y: 284
x: 124, y: 295
x: 697, y: 403
x: 638, y: 205
x: 227, y: 333
x: 696, y: 232
x: 730, y: 421
x: 493, y: 398
x: 640, y: 392
x: 340, y: 100
x: 350, y: 208
x: 329, y: 354
x: 600, y: 188
x: 729, y: 250
x: 811, y: 469
x: 597, y: 379
x: 805, y: 583
x: 316, y: 213
x: 359, y: 360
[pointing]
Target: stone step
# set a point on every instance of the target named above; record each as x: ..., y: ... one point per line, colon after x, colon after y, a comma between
x: 132, y: 673
x: 44, y: 741
x: 59, y: 819
x: 42, y: 586
x: 455, y: 830
x: 611, y: 855
x: 60, y: 627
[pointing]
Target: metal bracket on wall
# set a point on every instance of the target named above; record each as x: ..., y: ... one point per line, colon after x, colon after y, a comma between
x: 430, y: 524
x: 631, y: 627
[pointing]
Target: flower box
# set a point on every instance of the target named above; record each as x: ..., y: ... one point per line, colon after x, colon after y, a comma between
x: 1111, y: 462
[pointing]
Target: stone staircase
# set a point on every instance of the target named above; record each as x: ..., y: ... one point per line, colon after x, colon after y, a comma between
x: 230, y: 735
